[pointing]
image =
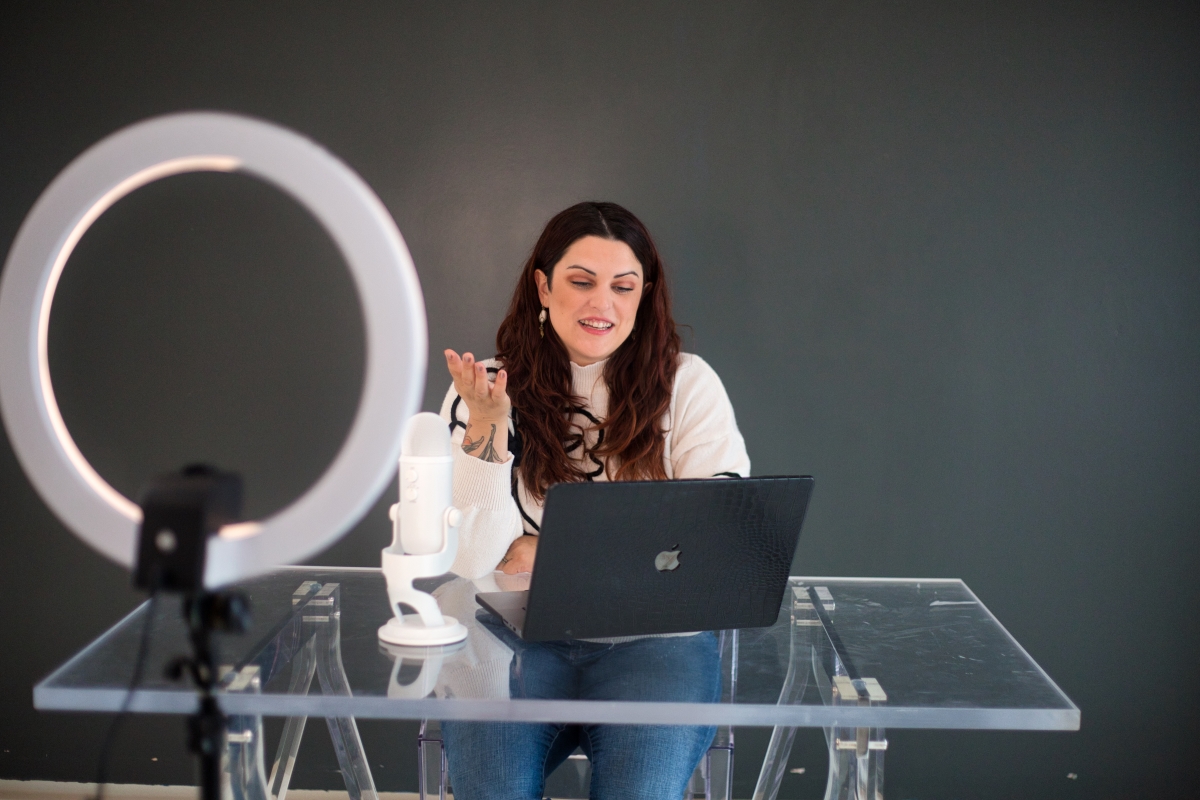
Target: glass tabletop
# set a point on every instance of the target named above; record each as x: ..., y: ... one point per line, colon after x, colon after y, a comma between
x: 922, y: 654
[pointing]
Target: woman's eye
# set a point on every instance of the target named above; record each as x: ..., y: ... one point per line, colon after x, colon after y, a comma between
x: 622, y: 289
x: 581, y: 284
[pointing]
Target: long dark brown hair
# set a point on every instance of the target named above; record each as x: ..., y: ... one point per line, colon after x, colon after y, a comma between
x: 640, y: 374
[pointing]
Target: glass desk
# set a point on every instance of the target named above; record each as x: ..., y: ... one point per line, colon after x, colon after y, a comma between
x: 854, y: 656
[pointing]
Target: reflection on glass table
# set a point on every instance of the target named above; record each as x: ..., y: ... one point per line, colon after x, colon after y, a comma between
x: 851, y: 655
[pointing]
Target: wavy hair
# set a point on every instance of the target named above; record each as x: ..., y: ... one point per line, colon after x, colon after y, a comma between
x: 640, y: 374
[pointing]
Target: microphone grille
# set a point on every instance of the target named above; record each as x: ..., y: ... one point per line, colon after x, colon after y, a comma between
x: 426, y: 435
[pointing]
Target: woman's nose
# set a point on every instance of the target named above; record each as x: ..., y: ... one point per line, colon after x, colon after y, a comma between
x: 600, y: 300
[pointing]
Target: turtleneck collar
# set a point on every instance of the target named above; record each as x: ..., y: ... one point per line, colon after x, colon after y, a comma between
x: 583, y: 379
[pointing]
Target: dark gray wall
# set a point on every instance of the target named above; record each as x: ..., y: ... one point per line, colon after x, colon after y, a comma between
x: 946, y: 259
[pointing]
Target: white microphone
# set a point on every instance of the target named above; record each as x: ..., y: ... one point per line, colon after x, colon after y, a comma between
x: 424, y: 536
x: 426, y: 477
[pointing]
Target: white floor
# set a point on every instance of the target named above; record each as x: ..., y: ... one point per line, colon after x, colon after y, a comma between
x: 52, y: 790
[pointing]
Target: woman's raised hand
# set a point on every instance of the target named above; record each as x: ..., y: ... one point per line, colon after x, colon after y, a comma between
x: 486, y: 436
x: 487, y: 400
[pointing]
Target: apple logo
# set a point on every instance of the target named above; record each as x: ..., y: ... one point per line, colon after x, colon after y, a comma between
x: 667, y: 559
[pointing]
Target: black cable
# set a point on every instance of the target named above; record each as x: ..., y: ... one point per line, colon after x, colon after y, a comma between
x: 139, y: 665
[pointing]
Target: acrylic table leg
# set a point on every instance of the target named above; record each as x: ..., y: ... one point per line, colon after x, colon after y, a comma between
x: 304, y: 666
x: 244, y: 744
x: 321, y: 654
x: 774, y: 763
x: 855, y: 764
x: 795, y: 683
x: 718, y: 767
x: 332, y: 675
x: 856, y: 754
x: 431, y: 753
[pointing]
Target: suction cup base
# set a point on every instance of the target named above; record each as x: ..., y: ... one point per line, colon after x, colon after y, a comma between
x: 412, y: 631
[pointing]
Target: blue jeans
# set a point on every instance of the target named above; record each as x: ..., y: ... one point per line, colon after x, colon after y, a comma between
x: 510, y: 761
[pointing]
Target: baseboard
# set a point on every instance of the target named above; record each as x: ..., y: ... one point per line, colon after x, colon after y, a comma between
x: 55, y: 790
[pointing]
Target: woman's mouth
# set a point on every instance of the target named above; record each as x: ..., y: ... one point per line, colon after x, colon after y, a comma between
x: 596, y: 327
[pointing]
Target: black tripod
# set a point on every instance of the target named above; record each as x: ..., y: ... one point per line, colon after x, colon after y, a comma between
x: 207, y: 613
x: 179, y: 512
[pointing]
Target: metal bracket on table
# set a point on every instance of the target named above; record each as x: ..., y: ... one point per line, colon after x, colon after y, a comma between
x: 313, y: 636
x: 856, y: 754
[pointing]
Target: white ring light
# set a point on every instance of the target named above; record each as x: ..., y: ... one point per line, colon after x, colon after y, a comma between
x: 388, y: 291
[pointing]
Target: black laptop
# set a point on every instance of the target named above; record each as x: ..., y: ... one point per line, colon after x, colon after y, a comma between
x: 634, y: 558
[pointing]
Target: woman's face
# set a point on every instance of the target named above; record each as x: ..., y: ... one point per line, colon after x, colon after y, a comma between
x: 593, y: 297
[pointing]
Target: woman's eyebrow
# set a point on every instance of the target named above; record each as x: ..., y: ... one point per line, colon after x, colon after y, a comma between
x: 632, y: 272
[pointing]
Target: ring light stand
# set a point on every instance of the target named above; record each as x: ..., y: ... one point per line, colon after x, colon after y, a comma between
x: 198, y: 541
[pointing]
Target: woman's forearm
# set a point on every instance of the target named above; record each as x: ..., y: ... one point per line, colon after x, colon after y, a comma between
x: 484, y: 537
x: 486, y: 433
x: 486, y: 440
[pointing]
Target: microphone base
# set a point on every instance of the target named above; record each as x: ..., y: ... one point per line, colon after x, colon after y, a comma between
x: 412, y: 631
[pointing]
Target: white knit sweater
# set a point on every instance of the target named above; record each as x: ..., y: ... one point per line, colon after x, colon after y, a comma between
x: 702, y: 441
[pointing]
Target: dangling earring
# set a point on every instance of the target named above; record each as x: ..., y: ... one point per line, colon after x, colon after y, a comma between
x: 542, y: 324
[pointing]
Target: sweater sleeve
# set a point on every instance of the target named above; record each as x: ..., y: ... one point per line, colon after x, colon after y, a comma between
x: 705, y: 440
x: 482, y: 492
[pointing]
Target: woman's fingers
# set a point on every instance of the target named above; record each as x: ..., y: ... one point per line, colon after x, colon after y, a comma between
x: 471, y: 377
x: 482, y: 388
x: 520, y: 556
x: 461, y: 371
x: 454, y: 365
x: 467, y: 373
x: 485, y: 395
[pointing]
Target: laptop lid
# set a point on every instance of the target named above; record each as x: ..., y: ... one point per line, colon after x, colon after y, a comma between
x: 635, y: 558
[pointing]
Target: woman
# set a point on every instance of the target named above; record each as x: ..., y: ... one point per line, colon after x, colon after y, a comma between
x: 588, y: 384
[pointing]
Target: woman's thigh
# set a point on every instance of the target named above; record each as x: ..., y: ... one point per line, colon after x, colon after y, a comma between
x: 651, y: 761
x: 504, y: 760
x: 644, y: 762
x: 509, y: 760
x: 676, y: 669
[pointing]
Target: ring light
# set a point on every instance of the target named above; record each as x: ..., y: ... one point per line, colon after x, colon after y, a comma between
x: 388, y: 292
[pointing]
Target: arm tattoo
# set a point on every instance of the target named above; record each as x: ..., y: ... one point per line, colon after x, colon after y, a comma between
x: 489, y: 453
